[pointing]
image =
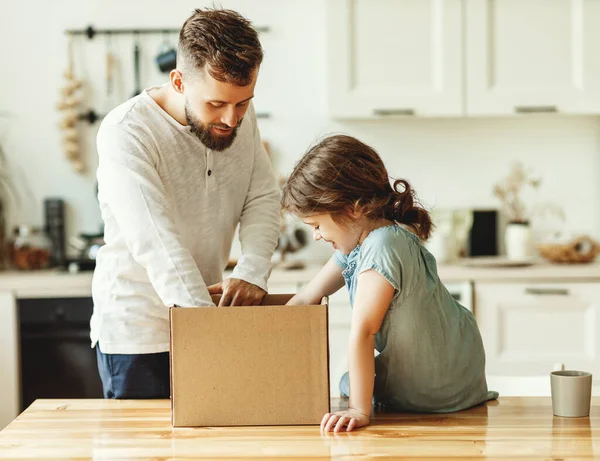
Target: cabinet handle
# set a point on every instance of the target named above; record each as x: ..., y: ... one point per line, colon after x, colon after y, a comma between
x: 547, y: 291
x: 394, y: 112
x: 535, y: 109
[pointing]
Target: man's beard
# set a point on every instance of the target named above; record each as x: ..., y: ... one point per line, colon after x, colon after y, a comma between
x: 202, y: 131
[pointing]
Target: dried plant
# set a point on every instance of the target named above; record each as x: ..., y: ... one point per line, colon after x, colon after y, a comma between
x: 8, y: 192
x: 8, y: 198
x: 510, y: 189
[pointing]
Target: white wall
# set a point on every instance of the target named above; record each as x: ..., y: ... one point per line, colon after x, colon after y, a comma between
x: 452, y: 163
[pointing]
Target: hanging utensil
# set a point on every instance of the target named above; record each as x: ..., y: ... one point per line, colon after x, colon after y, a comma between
x: 166, y: 59
x: 109, y: 65
x: 136, y: 66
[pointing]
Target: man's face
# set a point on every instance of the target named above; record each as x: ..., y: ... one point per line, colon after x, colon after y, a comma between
x: 214, y: 110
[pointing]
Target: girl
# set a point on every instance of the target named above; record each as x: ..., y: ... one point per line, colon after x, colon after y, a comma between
x: 431, y: 354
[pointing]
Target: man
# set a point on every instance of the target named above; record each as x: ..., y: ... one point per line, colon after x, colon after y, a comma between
x: 180, y: 166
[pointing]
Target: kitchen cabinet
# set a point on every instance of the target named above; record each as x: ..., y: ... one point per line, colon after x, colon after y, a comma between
x: 9, y: 356
x: 527, y: 56
x: 529, y: 328
x: 471, y: 57
x: 340, y: 316
x: 268, y: 85
x: 394, y: 58
x: 14, y: 287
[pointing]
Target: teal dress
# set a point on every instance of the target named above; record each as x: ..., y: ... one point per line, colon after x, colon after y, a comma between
x: 431, y: 353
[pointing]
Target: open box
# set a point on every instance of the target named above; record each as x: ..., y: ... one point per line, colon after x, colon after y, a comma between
x: 249, y: 365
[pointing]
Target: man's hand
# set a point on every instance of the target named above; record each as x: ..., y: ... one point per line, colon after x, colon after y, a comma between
x: 236, y: 292
x: 349, y: 419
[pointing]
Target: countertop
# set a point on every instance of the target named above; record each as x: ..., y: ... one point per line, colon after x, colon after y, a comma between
x: 538, y: 272
x: 48, y: 283
x: 510, y: 428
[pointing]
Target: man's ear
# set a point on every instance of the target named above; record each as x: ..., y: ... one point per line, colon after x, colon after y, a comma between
x: 176, y: 79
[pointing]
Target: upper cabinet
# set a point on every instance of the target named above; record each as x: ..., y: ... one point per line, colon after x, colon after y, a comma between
x: 532, y: 56
x: 264, y: 95
x: 395, y: 57
x: 405, y: 57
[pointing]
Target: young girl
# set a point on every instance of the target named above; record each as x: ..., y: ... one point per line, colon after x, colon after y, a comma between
x: 431, y: 354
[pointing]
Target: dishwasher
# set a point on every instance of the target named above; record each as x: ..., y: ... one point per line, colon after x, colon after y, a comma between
x: 56, y: 359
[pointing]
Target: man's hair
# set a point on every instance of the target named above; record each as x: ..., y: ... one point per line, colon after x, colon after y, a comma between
x: 223, y: 42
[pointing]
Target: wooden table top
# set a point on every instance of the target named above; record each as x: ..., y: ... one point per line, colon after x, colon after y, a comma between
x: 511, y: 428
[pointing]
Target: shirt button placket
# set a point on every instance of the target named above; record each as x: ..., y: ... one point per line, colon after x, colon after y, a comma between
x: 209, y: 163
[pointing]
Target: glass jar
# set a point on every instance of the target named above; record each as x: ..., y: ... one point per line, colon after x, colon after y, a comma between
x: 31, y: 249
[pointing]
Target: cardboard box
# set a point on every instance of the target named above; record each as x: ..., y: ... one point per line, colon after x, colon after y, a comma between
x: 249, y: 365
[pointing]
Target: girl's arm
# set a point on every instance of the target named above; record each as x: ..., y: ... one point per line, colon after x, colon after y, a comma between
x: 328, y: 281
x: 373, y: 297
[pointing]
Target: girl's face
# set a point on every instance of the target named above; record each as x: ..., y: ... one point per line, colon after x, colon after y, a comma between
x: 342, y: 237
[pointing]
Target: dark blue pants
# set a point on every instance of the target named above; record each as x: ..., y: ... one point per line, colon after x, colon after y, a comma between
x: 134, y: 376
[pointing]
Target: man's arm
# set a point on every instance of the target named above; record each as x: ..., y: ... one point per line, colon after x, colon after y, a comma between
x: 130, y: 186
x: 260, y: 220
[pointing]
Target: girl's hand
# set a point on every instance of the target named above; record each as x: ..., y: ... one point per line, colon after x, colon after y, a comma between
x: 350, y: 419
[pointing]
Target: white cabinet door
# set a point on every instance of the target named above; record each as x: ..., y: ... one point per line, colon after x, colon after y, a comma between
x: 395, y: 57
x: 268, y: 85
x: 340, y: 315
x: 526, y: 56
x: 528, y: 328
x: 9, y: 360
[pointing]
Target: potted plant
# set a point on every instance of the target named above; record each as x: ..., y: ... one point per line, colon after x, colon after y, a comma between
x: 517, y: 236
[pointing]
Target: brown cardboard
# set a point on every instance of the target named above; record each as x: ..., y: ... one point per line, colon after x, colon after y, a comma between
x: 249, y: 365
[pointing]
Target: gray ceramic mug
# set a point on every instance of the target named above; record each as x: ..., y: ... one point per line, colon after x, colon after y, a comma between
x: 571, y: 393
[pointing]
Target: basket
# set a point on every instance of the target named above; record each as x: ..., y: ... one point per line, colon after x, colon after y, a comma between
x: 580, y: 250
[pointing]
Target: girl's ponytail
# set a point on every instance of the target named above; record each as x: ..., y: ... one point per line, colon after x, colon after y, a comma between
x: 403, y: 207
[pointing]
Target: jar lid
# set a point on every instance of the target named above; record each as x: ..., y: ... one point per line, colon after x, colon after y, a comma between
x: 24, y: 230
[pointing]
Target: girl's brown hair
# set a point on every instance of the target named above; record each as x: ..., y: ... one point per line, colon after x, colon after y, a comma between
x: 341, y: 174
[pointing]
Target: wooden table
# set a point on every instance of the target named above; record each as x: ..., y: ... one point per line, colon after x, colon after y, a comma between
x: 511, y: 428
